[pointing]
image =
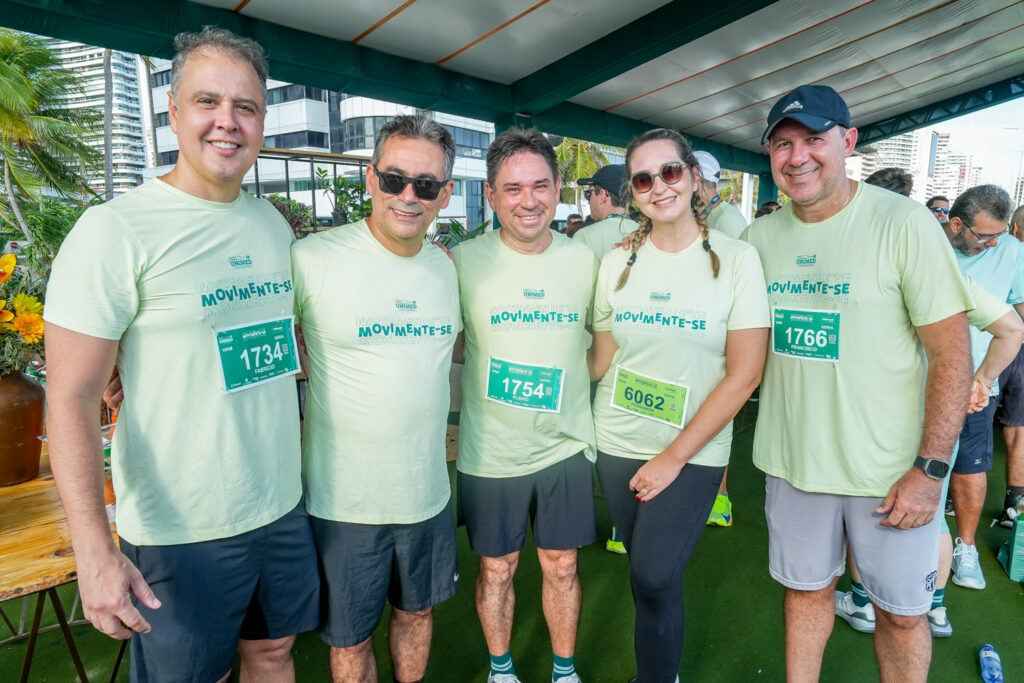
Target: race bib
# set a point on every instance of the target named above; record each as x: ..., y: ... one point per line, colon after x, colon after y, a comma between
x: 531, y: 387
x: 806, y: 333
x: 256, y: 353
x: 654, y: 399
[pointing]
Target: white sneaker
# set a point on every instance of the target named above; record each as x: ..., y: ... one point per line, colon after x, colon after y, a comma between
x: 966, y: 570
x: 571, y: 678
x: 861, y: 619
x: 503, y: 678
x: 938, y: 623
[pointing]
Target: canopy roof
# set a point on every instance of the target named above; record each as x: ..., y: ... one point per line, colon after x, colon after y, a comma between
x: 603, y: 70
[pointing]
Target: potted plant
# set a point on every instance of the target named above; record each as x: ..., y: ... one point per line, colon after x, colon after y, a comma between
x: 21, y: 398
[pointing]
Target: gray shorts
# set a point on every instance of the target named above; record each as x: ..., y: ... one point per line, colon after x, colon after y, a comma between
x: 807, y: 536
x: 412, y: 566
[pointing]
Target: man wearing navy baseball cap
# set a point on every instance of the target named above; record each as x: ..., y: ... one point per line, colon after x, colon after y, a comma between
x: 609, y: 200
x: 854, y: 450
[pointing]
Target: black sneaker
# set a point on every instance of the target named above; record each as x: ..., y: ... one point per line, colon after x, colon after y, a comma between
x: 1008, y: 517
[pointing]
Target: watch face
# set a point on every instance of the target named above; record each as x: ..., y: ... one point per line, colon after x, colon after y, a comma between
x: 936, y: 468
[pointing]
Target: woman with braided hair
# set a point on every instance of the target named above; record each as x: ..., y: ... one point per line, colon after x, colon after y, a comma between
x: 680, y: 335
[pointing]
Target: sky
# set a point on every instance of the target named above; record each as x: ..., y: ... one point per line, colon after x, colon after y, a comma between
x: 994, y: 137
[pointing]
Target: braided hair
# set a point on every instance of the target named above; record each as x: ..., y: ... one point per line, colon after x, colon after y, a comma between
x: 698, y: 205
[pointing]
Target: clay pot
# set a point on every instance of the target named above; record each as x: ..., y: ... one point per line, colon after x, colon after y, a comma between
x: 21, y: 422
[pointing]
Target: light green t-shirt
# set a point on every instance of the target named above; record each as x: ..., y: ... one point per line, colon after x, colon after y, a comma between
x: 602, y: 236
x: 843, y: 412
x: 161, y: 271
x: 728, y: 219
x: 525, y: 318
x: 670, y: 323
x: 379, y: 331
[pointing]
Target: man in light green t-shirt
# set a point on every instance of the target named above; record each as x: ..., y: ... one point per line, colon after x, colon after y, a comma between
x: 722, y: 215
x: 608, y: 195
x: 185, y: 284
x: 526, y: 436
x: 860, y: 280
x: 379, y: 311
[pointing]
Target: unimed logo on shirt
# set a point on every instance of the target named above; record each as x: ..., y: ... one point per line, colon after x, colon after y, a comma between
x: 240, y: 261
x: 405, y: 304
x: 805, y: 260
x: 533, y: 293
x: 661, y: 296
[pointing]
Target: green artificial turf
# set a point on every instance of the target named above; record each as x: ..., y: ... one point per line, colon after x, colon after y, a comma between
x: 734, y: 627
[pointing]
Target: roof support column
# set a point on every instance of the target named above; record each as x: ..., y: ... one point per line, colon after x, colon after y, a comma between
x: 766, y: 188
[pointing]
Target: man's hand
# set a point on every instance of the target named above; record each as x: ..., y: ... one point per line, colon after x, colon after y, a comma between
x: 912, y: 501
x: 979, y: 396
x: 106, y: 583
x: 655, y: 476
x: 113, y: 395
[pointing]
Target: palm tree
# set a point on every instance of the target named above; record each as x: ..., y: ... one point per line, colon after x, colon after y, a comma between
x: 577, y: 159
x: 41, y: 139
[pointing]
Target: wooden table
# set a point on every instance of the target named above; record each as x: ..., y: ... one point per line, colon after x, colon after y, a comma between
x: 35, y: 547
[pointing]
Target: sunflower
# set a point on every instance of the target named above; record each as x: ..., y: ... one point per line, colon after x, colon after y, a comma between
x: 5, y: 315
x: 23, y: 303
x: 7, y: 262
x: 29, y: 326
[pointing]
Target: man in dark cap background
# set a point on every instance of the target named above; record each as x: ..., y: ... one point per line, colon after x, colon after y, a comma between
x: 608, y: 197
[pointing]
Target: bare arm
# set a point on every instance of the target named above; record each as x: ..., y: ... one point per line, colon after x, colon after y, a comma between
x: 745, y: 352
x: 459, y: 349
x: 78, y: 369
x: 600, y: 354
x: 913, y: 499
x: 1007, y: 337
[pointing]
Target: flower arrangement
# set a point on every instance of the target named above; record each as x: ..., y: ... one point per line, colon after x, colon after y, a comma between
x: 21, y: 315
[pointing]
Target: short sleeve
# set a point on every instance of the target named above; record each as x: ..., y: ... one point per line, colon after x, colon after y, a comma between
x: 750, y: 295
x: 987, y: 308
x: 307, y: 275
x: 930, y: 281
x: 93, y: 287
x: 602, y: 321
x: 1016, y: 294
x: 595, y: 269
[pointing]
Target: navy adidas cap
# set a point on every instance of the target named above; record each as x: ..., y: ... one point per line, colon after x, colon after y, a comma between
x: 818, y: 107
x: 611, y: 177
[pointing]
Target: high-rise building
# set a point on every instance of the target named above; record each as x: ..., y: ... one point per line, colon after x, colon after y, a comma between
x: 128, y: 145
x: 1018, y: 191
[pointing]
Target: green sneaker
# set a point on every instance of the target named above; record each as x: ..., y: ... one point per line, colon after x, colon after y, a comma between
x: 721, y: 513
x: 614, y: 544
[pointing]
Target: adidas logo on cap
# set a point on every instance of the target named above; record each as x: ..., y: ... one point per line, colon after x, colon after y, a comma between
x: 793, y: 105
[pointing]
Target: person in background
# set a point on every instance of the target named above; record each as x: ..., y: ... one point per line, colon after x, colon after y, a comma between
x: 572, y: 224
x: 939, y: 206
x: 722, y: 215
x: 608, y: 197
x: 767, y: 208
x: 893, y: 179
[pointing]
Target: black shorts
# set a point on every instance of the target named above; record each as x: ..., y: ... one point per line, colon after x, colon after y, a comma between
x: 558, y: 502
x: 976, y: 442
x: 414, y: 566
x: 257, y: 585
x: 1011, y: 393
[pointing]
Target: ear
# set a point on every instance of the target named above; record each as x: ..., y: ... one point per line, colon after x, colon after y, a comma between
x: 172, y: 112
x: 956, y: 225
x: 850, y: 141
x: 489, y: 191
x: 446, y: 193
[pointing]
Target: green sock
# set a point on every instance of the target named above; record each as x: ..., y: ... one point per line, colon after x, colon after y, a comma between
x: 860, y: 596
x: 502, y: 664
x: 563, y: 666
x: 937, y: 597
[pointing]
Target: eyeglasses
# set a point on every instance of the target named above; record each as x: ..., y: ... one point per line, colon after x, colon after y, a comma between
x: 587, y: 194
x: 670, y: 173
x: 423, y: 188
x: 939, y: 209
x: 987, y: 238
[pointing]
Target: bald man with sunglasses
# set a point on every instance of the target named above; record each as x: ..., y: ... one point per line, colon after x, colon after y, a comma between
x: 379, y: 310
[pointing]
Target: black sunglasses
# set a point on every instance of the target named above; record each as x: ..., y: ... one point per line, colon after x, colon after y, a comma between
x: 670, y: 173
x: 423, y: 188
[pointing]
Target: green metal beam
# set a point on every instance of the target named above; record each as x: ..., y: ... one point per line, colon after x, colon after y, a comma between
x: 767, y: 190
x: 149, y: 27
x: 975, y: 100
x: 649, y: 37
x: 585, y: 123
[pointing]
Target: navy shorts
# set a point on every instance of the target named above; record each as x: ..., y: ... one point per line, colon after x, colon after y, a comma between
x: 413, y: 566
x: 257, y: 585
x: 1011, y: 393
x: 558, y: 502
x: 976, y: 442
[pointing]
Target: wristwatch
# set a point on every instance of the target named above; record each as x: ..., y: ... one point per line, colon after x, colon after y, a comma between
x: 934, y: 468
